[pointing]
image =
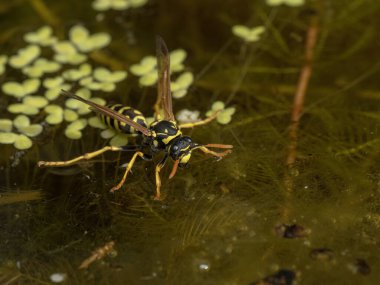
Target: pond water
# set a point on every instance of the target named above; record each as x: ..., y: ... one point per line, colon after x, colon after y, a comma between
x: 246, y: 218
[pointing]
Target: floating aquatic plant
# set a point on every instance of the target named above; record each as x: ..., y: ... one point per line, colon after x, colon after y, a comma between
x: 53, y: 87
x: 85, y: 42
x: 103, y: 79
x: 24, y: 56
x: 224, y: 115
x: 248, y: 34
x: 20, y: 140
x: 104, y: 5
x: 40, y: 67
x: 292, y: 3
x: 43, y: 36
x: 146, y: 69
x: 67, y: 53
x: 3, y: 62
x: 181, y: 84
x: 19, y: 90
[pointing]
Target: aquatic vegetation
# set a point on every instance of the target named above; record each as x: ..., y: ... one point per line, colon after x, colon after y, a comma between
x: 181, y: 84
x: 146, y: 69
x: 26, y: 130
x: 104, y: 5
x: 3, y: 62
x: 24, y: 56
x: 224, y: 115
x: 292, y: 3
x: 248, y: 34
x: 42, y: 36
x: 187, y: 116
x: 20, y: 90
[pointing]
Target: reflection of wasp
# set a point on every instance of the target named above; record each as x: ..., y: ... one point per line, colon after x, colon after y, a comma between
x: 163, y: 135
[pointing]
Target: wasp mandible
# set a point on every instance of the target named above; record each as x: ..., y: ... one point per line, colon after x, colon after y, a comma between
x: 163, y: 135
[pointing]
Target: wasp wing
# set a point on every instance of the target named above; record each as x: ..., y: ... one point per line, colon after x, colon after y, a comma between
x: 163, y: 89
x: 108, y: 112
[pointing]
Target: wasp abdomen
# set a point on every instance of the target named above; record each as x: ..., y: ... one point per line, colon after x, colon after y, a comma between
x: 128, y: 112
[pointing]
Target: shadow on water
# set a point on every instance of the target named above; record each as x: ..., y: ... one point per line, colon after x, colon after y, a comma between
x: 221, y: 222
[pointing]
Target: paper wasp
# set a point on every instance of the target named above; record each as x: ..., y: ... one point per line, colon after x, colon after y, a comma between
x: 163, y: 135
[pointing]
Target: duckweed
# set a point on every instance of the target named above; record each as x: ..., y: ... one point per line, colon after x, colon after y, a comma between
x: 55, y: 114
x: 41, y: 66
x: 181, y: 84
x: 67, y: 53
x: 85, y: 42
x: 104, y: 5
x: 248, y: 34
x: 225, y: 114
x: 35, y: 101
x: 24, y: 56
x: 20, y: 90
x: 3, y: 62
x: 43, y: 36
x: 292, y: 3
x: 5, y: 125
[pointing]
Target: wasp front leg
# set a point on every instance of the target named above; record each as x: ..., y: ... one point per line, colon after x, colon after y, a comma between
x: 158, y: 179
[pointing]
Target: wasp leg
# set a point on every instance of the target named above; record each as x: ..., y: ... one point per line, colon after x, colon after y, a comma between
x: 157, y: 109
x: 199, y: 123
x: 86, y: 156
x: 216, y: 154
x: 158, y: 179
x: 129, y: 167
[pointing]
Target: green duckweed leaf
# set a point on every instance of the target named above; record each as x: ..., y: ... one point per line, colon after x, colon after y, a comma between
x: 119, y: 140
x: 104, y: 5
x: 73, y: 134
x: 146, y: 65
x: 177, y: 56
x: 23, y: 142
x: 180, y: 86
x: 31, y: 131
x: 21, y: 121
x: 7, y: 137
x: 53, y: 93
x: 70, y: 115
x: 107, y: 86
x: 40, y: 67
x: 94, y: 122
x: 55, y: 114
x: 84, y: 70
x: 104, y: 75
x: 84, y: 93
x: 43, y: 36
x: 292, y: 3
x: 19, y: 90
x: 223, y: 118
x: 78, y: 124
x: 6, y: 125
x: 52, y: 82
x: 67, y: 53
x: 35, y: 101
x: 137, y: 3
x: 149, y: 79
x: 248, y: 34
x: 3, y: 59
x: 24, y: 56
x: 108, y: 133
x: 22, y: 109
x: 85, y: 42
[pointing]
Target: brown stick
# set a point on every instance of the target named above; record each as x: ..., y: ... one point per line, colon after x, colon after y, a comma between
x: 299, y: 97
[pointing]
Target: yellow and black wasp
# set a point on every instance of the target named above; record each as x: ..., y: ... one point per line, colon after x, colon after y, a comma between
x: 163, y: 135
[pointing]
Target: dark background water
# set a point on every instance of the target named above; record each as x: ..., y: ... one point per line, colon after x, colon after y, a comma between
x: 217, y: 222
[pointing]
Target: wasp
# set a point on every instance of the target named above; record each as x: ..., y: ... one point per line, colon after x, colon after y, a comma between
x: 163, y: 135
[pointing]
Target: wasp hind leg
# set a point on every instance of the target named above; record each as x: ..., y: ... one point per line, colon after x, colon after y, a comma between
x: 206, y: 150
x: 129, y: 167
x: 85, y: 156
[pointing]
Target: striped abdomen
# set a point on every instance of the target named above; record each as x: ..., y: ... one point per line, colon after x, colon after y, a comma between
x: 128, y: 112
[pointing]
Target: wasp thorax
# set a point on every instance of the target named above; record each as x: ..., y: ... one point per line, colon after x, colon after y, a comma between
x: 163, y: 133
x: 181, y: 150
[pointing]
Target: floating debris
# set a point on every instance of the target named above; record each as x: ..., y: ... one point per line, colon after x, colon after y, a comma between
x: 58, y: 277
x: 282, y: 277
x: 98, y: 254
x: 322, y: 254
x: 291, y: 231
x: 360, y: 266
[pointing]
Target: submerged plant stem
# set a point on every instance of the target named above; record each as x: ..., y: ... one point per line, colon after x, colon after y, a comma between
x: 299, y: 97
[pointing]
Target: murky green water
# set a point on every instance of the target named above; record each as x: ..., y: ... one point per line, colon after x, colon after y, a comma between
x: 220, y: 220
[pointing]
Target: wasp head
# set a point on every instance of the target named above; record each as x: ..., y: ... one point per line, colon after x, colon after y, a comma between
x: 181, y: 149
